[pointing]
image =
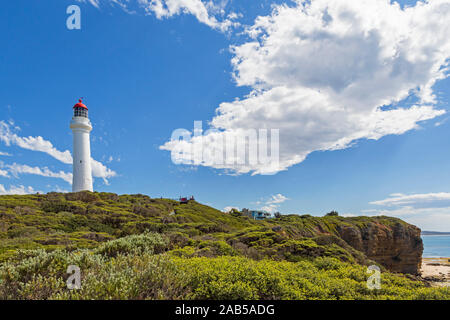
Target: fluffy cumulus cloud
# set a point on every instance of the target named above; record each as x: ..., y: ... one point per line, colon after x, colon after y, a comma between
x: 277, y: 198
x: 210, y: 13
x: 327, y: 73
x: 430, y: 211
x: 273, y: 203
x: 9, y: 137
x: 229, y: 208
x: 17, y: 169
x: 204, y: 11
x: 16, y: 190
x: 101, y: 171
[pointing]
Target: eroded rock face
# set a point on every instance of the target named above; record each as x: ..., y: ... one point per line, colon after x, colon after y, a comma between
x: 398, y: 247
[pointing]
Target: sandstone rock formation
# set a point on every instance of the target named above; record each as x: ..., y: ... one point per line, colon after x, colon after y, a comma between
x: 397, y: 247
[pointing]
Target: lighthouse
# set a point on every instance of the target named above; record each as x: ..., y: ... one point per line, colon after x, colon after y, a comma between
x: 81, y: 128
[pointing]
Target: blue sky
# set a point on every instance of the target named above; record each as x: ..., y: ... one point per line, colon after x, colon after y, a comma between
x: 144, y: 73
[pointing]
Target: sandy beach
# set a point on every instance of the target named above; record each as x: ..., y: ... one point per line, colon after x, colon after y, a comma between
x: 436, y: 271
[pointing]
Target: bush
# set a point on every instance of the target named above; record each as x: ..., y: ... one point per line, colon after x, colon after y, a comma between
x: 148, y: 243
x: 324, y: 278
x: 131, y: 277
x: 125, y: 273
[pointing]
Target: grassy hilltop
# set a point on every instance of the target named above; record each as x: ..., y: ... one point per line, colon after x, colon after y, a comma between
x: 136, y: 247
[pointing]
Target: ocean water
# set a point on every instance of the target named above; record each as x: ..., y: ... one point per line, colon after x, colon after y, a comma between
x: 436, y: 246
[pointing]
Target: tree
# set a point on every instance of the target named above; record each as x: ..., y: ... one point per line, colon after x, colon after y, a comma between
x: 277, y: 215
x: 333, y: 213
x: 235, y: 212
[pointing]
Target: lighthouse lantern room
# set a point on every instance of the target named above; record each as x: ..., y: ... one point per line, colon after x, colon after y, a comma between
x: 81, y: 128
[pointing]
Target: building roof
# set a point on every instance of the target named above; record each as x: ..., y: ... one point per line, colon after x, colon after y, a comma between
x: 80, y: 104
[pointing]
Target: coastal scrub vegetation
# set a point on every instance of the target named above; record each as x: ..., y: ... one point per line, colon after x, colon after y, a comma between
x: 138, y: 267
x: 137, y: 247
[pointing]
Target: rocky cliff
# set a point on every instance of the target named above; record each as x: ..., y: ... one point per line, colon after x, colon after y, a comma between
x: 398, y: 247
x: 389, y: 241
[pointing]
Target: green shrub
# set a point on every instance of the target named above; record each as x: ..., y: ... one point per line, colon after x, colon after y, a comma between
x: 324, y: 278
x: 149, y: 243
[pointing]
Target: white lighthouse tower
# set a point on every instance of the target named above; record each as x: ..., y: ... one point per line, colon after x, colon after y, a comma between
x: 81, y: 128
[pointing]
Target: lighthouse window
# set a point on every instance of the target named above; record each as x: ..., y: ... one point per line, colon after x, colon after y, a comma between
x: 81, y: 112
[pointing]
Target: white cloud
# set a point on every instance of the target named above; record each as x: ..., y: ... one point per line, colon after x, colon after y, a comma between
x: 429, y: 211
x: 32, y: 143
x: 269, y: 208
x: 4, y: 173
x: 17, y: 169
x: 207, y: 12
x: 16, y: 190
x: 9, y: 137
x: 440, y: 199
x: 229, y: 208
x: 328, y: 73
x: 273, y: 203
x: 101, y: 171
x: 201, y: 10
x: 6, y: 154
x: 432, y: 221
x: 278, y: 198
x: 95, y: 3
x: 61, y: 190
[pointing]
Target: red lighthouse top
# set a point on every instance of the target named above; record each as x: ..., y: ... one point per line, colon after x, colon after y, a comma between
x: 80, y: 104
